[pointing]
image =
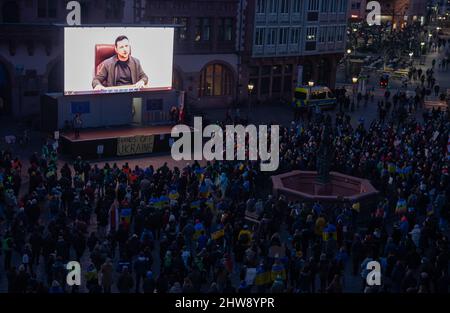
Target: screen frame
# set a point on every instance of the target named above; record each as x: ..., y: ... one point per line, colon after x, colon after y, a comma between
x: 103, y: 92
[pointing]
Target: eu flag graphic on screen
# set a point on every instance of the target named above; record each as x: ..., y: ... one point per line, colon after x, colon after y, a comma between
x: 81, y: 107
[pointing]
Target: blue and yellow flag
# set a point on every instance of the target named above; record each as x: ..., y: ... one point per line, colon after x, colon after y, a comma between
x: 164, y: 200
x: 195, y: 204
x: 210, y: 204
x: 277, y: 269
x: 174, y: 195
x: 218, y: 234
x: 262, y: 276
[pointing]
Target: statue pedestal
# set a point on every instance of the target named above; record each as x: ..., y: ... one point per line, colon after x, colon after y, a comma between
x: 323, y: 189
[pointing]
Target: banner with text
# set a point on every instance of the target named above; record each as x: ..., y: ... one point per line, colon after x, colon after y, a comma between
x: 135, y: 145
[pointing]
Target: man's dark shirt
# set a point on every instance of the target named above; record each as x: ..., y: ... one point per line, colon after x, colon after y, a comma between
x: 123, y: 76
x: 110, y: 73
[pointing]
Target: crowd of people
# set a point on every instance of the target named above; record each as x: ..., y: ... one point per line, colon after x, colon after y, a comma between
x: 188, y: 229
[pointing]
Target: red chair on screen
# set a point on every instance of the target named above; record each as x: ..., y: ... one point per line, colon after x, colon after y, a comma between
x: 103, y: 52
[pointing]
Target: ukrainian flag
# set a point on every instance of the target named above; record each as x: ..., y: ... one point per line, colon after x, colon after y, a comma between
x: 262, y: 276
x: 196, y: 204
x: 199, y: 172
x: 155, y: 202
x: 391, y: 168
x: 174, y: 195
x: 278, y: 269
x: 164, y: 200
x: 203, y: 191
x: 329, y: 232
x: 210, y: 204
x: 218, y: 234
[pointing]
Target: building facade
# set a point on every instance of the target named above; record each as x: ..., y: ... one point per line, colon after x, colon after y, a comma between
x: 31, y: 46
x: 357, y: 10
x: 402, y: 12
x: 288, y: 43
x: 220, y: 46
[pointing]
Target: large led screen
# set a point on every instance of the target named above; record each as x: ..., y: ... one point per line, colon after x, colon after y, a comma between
x: 117, y: 59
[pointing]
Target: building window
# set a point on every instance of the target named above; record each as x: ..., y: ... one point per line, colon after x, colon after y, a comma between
x: 181, y: 32
x: 261, y: 6
x: 271, y: 36
x: 340, y: 33
x: 277, y: 70
x: 344, y: 6
x: 296, y: 6
x: 331, y: 33
x: 311, y: 33
x: 259, y: 36
x: 283, y: 36
x: 324, y: 6
x: 273, y: 6
x: 322, y: 34
x: 313, y: 5
x: 295, y: 35
x: 203, y: 29
x: 276, y: 84
x: 284, y: 6
x: 265, y: 85
x: 225, y: 29
x: 287, y: 87
x: 253, y: 71
x: 356, y: 5
x: 265, y: 70
x: 333, y: 6
x: 287, y: 84
x: 215, y: 80
x: 47, y: 8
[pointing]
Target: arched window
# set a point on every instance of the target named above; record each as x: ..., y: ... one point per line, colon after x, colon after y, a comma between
x: 10, y: 12
x: 216, y: 80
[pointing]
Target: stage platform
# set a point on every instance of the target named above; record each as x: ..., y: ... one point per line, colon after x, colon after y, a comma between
x: 116, y: 142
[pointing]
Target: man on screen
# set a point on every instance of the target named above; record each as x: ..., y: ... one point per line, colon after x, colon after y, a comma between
x: 121, y: 69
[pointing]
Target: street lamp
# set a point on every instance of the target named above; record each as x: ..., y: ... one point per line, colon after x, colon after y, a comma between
x: 347, y: 69
x: 422, y: 46
x: 354, y: 81
x: 310, y: 84
x: 250, y: 88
